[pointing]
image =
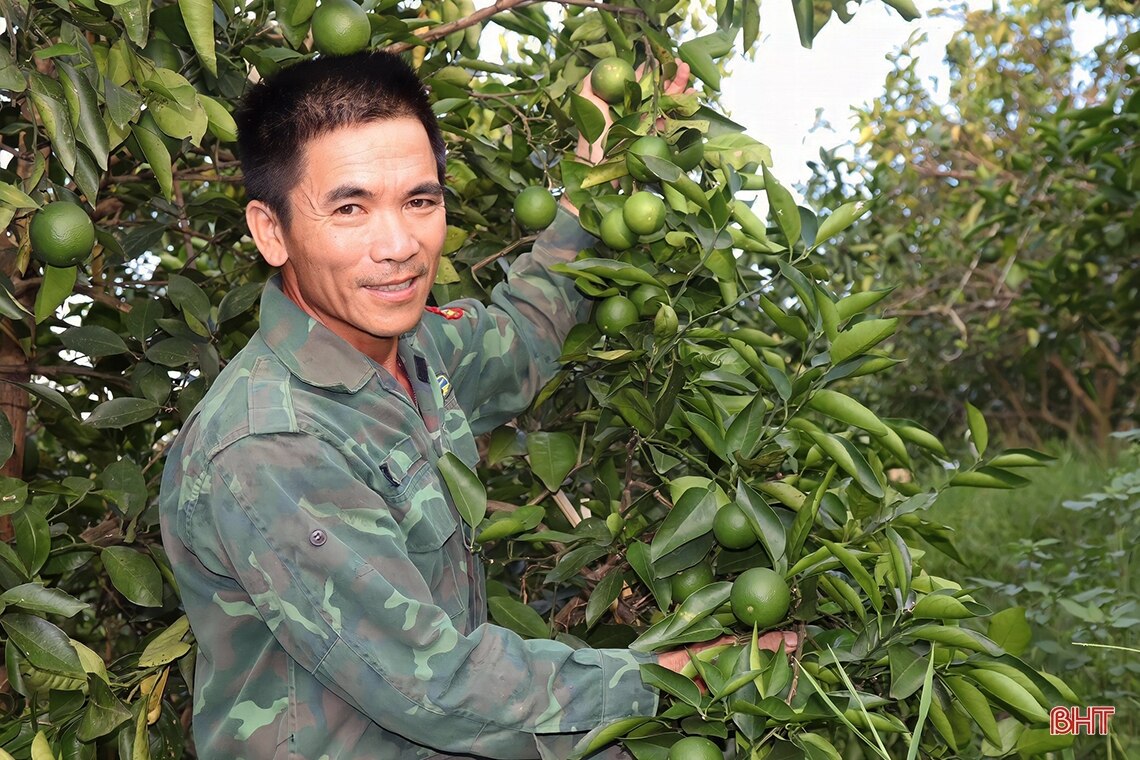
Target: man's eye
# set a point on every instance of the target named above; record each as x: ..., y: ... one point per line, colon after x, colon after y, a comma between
x: 423, y: 203
x: 347, y: 210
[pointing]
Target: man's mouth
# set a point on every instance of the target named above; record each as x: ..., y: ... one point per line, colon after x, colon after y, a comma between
x: 394, y: 287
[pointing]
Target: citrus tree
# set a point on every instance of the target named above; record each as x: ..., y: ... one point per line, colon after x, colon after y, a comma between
x: 695, y: 471
x: 1006, y: 217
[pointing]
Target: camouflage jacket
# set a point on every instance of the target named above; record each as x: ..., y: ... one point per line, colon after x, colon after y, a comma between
x: 338, y: 611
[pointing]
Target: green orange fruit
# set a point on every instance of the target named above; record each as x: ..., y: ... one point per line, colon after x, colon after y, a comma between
x: 615, y: 233
x: 646, y: 146
x: 732, y: 529
x: 62, y: 234
x: 665, y: 323
x: 760, y: 597
x: 644, y: 213
x: 690, y: 580
x: 695, y: 748
x: 535, y: 208
x: 614, y: 315
x: 609, y: 77
x: 648, y: 297
x: 340, y: 27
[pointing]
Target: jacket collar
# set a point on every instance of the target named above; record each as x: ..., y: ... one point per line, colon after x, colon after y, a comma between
x: 313, y: 353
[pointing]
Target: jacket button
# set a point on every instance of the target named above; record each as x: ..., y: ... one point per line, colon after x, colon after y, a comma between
x: 318, y: 537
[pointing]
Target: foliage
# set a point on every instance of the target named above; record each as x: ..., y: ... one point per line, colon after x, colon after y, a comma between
x: 1008, y: 215
x: 651, y: 429
x: 1073, y: 570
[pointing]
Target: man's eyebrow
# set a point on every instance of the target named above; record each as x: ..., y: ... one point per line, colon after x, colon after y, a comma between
x: 345, y: 192
x: 426, y: 188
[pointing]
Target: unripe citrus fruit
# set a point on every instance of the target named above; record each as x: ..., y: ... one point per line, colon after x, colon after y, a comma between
x: 62, y: 234
x: 646, y: 146
x: 340, y: 27
x: 732, y: 529
x: 690, y: 580
x: 614, y: 232
x: 609, y: 77
x: 665, y: 323
x: 648, y: 297
x: 695, y: 748
x: 644, y: 213
x: 535, y: 208
x: 760, y: 597
x: 614, y: 315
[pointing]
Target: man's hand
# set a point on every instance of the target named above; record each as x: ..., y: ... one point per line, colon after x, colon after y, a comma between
x: 594, y: 152
x: 677, y: 659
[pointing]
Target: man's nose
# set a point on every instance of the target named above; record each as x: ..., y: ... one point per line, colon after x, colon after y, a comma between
x: 394, y: 238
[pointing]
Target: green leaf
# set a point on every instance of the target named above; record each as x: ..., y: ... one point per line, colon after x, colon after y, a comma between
x: 976, y: 706
x: 850, y: 460
x: 841, y: 219
x: 56, y: 287
x: 84, y: 106
x: 134, y: 574
x: 1022, y: 458
x: 691, y: 517
x: 670, y: 682
x: 989, y: 477
x: 467, y: 492
x: 552, y: 456
x: 923, y: 708
x: 606, y: 269
x: 51, y: 396
x: 33, y: 538
x: 979, y: 432
x: 45, y: 645
x: 783, y: 208
x: 120, y: 412
x: 171, y: 352
x: 47, y: 96
x: 125, y: 484
x: 908, y: 671
x: 35, y: 597
x: 238, y: 301
x: 857, y: 303
x: 856, y: 570
x: 13, y: 196
x: 602, y: 597
x: 1009, y: 629
x: 93, y: 340
x: 167, y: 646
x: 520, y: 618
x: 10, y: 306
x: 157, y: 155
x: 763, y: 519
x: 941, y: 606
x: 7, y: 444
x: 142, y: 320
x: 906, y: 8
x: 104, y: 711
x: 189, y: 297
x: 589, y: 120
x: 860, y: 337
x: 199, y: 18
x: 960, y: 638
x: 847, y: 410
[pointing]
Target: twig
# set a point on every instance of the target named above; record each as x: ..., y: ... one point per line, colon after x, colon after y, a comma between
x: 500, y: 254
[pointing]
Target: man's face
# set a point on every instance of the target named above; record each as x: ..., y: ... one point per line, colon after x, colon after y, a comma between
x: 366, y: 233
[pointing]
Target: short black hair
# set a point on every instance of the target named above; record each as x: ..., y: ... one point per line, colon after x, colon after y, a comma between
x: 279, y: 115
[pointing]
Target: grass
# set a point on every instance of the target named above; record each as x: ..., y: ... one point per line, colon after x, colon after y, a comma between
x: 1063, y: 547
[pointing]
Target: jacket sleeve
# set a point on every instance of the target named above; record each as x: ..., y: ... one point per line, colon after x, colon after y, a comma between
x: 348, y: 604
x: 500, y: 356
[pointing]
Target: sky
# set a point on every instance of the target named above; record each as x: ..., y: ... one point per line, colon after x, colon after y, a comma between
x: 777, y: 95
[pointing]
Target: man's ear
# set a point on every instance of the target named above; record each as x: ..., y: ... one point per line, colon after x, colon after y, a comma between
x: 268, y: 233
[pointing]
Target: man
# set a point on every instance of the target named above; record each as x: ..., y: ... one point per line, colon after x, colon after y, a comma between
x: 338, y: 610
